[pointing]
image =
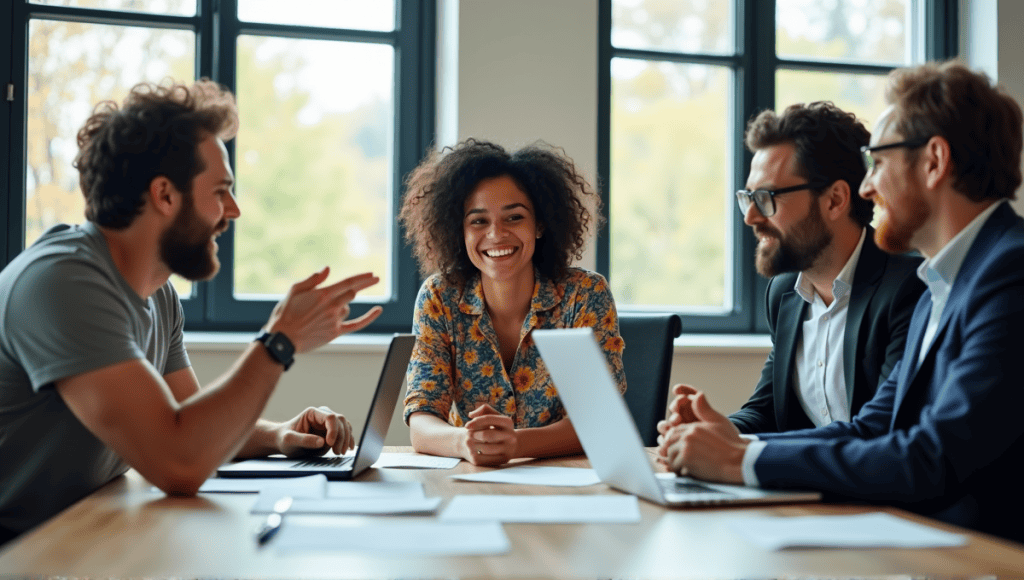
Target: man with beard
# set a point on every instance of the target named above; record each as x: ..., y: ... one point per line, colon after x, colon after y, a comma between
x: 94, y: 377
x: 838, y: 307
x: 942, y: 436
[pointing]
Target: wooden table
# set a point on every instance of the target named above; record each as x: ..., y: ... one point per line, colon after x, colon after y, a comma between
x: 127, y: 530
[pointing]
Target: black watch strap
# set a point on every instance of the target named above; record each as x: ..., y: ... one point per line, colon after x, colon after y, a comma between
x: 279, y: 347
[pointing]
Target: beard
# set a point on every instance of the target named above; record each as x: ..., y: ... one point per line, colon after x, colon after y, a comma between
x: 185, y: 246
x: 795, y: 252
x: 894, y: 232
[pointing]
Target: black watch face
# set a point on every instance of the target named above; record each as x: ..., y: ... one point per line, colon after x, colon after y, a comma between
x: 280, y: 348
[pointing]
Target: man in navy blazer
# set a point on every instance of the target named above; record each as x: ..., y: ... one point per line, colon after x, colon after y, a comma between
x: 942, y: 436
x: 838, y: 307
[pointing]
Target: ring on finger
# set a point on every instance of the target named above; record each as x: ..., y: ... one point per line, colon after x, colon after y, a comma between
x: 478, y: 452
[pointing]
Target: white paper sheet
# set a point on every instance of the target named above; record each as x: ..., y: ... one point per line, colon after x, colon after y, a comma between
x: 372, y: 506
x: 544, y: 509
x: 308, y: 486
x: 388, y: 489
x: 876, y: 530
x: 536, y: 475
x: 415, y: 461
x: 428, y: 538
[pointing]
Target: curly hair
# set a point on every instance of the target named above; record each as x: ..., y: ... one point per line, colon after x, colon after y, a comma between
x: 156, y: 132
x: 436, y: 193
x: 981, y: 123
x: 827, y: 142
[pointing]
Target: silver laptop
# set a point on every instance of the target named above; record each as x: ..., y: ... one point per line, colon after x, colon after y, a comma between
x: 610, y: 438
x: 342, y: 467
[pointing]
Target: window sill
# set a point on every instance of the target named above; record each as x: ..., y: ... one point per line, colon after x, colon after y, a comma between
x: 378, y: 343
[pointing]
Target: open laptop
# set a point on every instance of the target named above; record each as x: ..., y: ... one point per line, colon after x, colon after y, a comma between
x: 371, y: 441
x: 611, y: 439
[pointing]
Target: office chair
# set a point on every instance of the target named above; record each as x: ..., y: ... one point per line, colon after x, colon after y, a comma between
x: 647, y: 361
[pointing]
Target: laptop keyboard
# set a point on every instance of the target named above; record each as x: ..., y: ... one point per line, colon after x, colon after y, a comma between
x: 340, y: 461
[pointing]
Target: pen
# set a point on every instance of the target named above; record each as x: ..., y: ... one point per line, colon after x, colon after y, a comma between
x: 274, y: 520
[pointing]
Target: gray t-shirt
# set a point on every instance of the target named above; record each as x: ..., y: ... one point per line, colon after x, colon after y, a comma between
x: 65, y: 309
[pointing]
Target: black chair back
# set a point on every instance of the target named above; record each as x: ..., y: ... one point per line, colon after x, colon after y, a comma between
x: 647, y: 361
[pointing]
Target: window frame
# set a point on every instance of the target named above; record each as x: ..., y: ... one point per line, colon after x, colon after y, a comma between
x: 754, y: 64
x: 212, y: 305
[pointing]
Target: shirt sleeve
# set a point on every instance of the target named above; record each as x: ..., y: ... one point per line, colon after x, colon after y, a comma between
x: 177, y: 356
x: 65, y: 318
x: 598, y: 312
x: 430, y: 371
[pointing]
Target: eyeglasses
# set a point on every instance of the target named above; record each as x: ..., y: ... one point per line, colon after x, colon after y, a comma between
x: 764, y: 199
x: 867, y: 150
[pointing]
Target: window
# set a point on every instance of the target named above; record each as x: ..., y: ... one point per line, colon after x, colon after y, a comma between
x: 336, y: 105
x: 679, y: 79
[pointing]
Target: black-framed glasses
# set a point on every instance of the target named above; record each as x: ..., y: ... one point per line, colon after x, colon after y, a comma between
x: 867, y: 150
x: 764, y: 199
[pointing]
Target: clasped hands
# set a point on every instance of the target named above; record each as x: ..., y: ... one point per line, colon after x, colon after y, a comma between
x: 490, y: 437
x: 698, y: 441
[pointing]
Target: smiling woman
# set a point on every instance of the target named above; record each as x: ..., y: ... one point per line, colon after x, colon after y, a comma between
x: 477, y: 386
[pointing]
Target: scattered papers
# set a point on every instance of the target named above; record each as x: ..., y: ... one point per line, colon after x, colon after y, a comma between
x: 379, y: 489
x: 533, y: 475
x: 415, y: 461
x: 875, y: 530
x: 359, y: 506
x: 544, y: 509
x: 309, y: 486
x: 429, y: 538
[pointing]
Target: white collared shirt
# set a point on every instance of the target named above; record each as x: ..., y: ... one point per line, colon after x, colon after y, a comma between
x: 939, y: 272
x: 818, y: 377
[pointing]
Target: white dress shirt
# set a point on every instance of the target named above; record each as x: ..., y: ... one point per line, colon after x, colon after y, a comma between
x: 819, y: 378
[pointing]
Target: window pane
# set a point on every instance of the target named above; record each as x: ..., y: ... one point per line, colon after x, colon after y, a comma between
x: 353, y: 14
x: 861, y: 95
x: 71, y: 67
x: 875, y: 31
x: 670, y: 200
x: 673, y: 25
x: 172, y: 7
x: 314, y: 162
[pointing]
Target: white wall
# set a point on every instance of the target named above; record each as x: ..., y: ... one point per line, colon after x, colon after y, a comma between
x: 526, y: 70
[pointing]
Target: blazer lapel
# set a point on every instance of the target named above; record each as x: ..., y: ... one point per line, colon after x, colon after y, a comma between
x: 791, y: 315
x: 866, y: 278
x: 991, y: 232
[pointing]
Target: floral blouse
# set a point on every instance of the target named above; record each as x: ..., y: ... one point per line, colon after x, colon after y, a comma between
x: 456, y: 363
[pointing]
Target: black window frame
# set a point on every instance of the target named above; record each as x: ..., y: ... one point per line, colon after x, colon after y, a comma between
x: 212, y: 305
x: 754, y: 64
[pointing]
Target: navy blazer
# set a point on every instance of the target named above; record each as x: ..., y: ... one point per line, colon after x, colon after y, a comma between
x: 943, y: 438
x: 885, y: 289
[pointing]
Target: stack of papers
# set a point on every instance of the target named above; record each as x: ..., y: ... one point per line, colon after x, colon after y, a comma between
x: 316, y: 495
x: 415, y: 461
x: 427, y: 538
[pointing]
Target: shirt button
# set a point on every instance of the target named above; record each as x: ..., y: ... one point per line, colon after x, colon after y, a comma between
x: 824, y: 412
x: 825, y: 317
x: 820, y: 364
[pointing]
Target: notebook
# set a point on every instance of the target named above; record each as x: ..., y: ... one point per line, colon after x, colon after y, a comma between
x: 610, y: 438
x: 371, y: 442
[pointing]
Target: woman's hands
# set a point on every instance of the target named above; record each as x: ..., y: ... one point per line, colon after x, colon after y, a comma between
x: 489, y: 437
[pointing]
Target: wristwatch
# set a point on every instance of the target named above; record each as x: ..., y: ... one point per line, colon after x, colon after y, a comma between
x: 278, y: 347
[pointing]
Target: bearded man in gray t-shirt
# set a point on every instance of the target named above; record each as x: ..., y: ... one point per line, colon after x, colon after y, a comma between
x: 94, y: 377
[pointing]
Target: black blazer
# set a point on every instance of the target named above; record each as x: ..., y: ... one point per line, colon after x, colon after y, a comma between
x: 885, y: 290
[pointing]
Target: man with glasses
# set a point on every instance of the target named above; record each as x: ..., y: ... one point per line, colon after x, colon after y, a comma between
x: 837, y: 306
x: 943, y: 435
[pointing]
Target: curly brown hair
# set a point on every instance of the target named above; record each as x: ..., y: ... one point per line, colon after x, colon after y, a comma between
x: 436, y: 193
x: 827, y: 140
x: 156, y: 132
x: 981, y: 123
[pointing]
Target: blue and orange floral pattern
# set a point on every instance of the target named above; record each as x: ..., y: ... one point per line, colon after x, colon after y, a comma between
x: 456, y: 363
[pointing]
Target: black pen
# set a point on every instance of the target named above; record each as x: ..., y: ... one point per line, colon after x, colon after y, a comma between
x: 274, y: 520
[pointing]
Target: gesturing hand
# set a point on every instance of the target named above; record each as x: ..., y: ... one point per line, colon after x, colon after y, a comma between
x: 315, y: 431
x: 490, y: 437
x: 709, y: 448
x: 311, y: 317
